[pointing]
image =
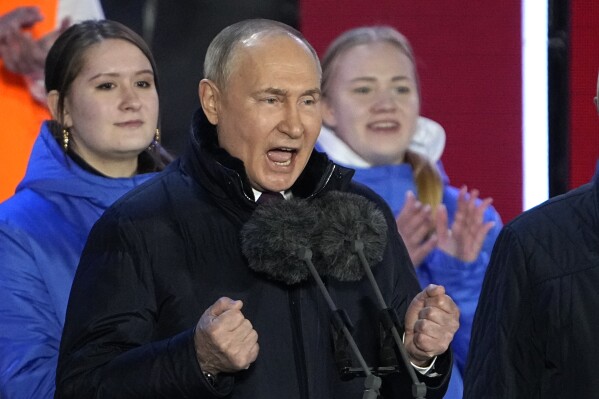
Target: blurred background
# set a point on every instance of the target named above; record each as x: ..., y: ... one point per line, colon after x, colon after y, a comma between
x: 512, y: 82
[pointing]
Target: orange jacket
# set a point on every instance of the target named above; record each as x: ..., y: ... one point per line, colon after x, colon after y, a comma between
x: 21, y: 114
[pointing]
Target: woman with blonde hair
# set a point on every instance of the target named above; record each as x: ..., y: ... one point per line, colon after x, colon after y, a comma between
x: 371, y: 106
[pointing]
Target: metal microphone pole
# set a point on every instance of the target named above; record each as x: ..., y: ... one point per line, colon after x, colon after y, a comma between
x: 372, y: 383
x: 390, y: 321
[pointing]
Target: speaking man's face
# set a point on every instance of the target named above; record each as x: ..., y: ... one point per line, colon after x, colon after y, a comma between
x: 268, y: 115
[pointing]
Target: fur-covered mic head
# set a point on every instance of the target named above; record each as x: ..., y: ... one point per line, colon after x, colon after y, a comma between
x: 271, y: 238
x: 345, y: 218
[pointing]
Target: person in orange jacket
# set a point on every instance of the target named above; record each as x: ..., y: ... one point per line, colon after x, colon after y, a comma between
x: 26, y: 34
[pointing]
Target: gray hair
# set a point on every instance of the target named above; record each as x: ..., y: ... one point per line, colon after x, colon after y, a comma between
x: 221, y: 52
x: 359, y: 36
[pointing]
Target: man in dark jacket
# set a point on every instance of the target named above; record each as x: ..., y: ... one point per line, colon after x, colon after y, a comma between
x: 535, y: 328
x: 170, y: 252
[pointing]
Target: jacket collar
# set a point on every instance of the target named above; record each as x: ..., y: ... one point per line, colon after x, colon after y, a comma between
x: 224, y: 175
x: 52, y: 172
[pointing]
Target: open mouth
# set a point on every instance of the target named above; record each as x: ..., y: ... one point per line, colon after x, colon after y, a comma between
x: 281, y: 156
x: 383, y: 125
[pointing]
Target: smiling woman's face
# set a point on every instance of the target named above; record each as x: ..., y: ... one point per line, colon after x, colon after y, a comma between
x: 372, y: 102
x: 111, y: 108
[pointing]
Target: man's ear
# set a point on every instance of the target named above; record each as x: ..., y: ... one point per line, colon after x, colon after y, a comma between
x: 209, y: 98
x: 52, y: 101
x: 328, y: 114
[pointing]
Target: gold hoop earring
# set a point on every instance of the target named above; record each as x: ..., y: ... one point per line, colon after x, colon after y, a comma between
x: 65, y: 139
x: 155, y: 141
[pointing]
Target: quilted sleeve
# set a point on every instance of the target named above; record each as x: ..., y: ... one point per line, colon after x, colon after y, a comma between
x: 504, y: 359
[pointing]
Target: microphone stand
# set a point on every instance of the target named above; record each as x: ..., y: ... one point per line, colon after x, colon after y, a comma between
x: 372, y: 383
x: 390, y: 321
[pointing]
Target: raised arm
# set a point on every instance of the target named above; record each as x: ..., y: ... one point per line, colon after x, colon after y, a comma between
x: 111, y: 345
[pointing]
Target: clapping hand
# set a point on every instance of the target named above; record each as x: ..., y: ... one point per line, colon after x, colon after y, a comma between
x: 467, y: 234
x: 423, y: 229
x: 415, y: 223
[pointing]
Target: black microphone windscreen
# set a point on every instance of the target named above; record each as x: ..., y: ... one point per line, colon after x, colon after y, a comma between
x: 343, y: 219
x: 271, y: 238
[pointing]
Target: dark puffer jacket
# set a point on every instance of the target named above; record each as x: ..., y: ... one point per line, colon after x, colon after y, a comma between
x: 165, y: 253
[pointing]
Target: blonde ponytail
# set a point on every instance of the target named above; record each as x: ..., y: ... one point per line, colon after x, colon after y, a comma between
x: 427, y: 178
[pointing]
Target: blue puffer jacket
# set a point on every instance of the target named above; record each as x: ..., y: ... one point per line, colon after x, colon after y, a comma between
x: 462, y: 280
x: 43, y: 229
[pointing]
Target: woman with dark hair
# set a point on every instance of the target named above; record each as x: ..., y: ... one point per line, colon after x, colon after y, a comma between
x: 371, y: 104
x: 103, y: 141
